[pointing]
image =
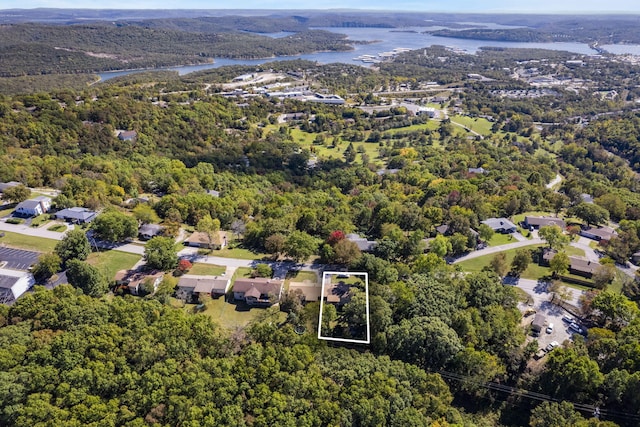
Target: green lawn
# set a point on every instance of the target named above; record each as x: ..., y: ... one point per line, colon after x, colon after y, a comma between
x: 57, y: 227
x: 301, y: 276
x: 109, y: 262
x: 482, y: 126
x: 501, y: 239
x: 228, y: 315
x: 240, y: 253
x: 31, y: 243
x: 243, y: 272
x: 430, y: 125
x: 534, y: 271
x: 39, y: 220
x: 571, y: 251
x: 202, y: 269
x: 7, y: 209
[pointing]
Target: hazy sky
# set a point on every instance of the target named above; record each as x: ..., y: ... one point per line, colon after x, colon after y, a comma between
x: 539, y: 6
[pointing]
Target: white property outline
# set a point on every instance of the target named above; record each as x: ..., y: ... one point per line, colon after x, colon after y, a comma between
x: 366, y: 288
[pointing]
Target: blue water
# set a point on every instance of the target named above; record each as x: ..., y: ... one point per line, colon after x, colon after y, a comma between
x: 621, y: 49
x: 386, y: 39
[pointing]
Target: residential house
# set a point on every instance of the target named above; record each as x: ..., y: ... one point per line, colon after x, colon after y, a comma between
x: 13, y: 284
x: 133, y: 280
x: 501, y: 225
x: 258, y: 291
x: 337, y: 293
x: 309, y: 291
x: 598, y: 233
x: 582, y: 266
x: 363, y: 244
x: 191, y: 286
x: 34, y: 207
x: 149, y: 231
x: 577, y: 265
x: 200, y: 239
x: 76, y: 215
x: 127, y: 135
x: 542, y: 221
x: 479, y: 170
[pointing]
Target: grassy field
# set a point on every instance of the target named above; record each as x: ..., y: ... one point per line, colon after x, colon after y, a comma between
x: 202, y: 269
x: 301, y: 276
x: 534, y: 271
x: 57, y: 227
x: 109, y: 262
x: 240, y: 253
x: 430, y: 125
x: 31, y: 243
x: 482, y: 126
x: 571, y: 251
x: 243, y: 272
x: 5, y: 210
x: 40, y: 220
x: 227, y: 315
x: 500, y: 239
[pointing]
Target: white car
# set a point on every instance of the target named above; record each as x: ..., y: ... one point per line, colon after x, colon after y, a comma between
x: 550, y: 328
x: 552, y: 345
x: 568, y: 319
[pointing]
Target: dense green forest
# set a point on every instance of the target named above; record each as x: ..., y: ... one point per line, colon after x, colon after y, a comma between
x: 32, y: 49
x: 292, y: 188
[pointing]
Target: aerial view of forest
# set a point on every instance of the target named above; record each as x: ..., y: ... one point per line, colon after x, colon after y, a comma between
x: 425, y: 236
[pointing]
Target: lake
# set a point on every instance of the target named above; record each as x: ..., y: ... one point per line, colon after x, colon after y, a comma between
x: 386, y: 39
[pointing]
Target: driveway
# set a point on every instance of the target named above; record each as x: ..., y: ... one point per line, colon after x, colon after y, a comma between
x: 541, y: 297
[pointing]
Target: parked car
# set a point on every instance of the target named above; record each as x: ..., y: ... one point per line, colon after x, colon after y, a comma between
x: 540, y: 354
x: 568, y: 319
x: 550, y: 328
x: 575, y: 327
x: 552, y: 345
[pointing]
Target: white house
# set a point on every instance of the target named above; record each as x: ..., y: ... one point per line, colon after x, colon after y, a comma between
x: 34, y: 207
x: 13, y: 284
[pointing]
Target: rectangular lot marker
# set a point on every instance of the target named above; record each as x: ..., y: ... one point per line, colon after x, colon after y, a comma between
x: 326, y: 280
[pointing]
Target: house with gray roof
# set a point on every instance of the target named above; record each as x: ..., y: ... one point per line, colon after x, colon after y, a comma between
x: 598, y: 233
x: 501, y: 225
x: 191, y: 286
x: 76, y: 215
x: 13, y: 284
x: 149, y: 231
x: 363, y: 244
x: 34, y: 207
x: 542, y: 221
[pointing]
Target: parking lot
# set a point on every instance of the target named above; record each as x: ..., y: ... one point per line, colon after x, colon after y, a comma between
x: 553, y: 315
x: 18, y: 259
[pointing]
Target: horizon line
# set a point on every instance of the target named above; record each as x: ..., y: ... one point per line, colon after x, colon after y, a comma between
x: 477, y: 12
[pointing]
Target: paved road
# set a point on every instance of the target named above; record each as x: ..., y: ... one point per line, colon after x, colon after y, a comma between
x: 495, y: 249
x: 280, y: 268
x: 557, y: 180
